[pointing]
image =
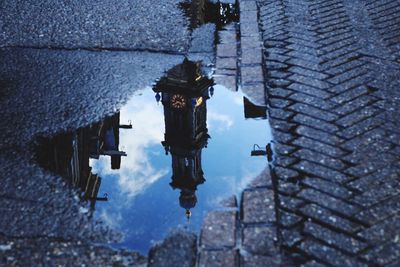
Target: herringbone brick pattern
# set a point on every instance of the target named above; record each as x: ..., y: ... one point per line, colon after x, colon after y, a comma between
x: 333, y: 77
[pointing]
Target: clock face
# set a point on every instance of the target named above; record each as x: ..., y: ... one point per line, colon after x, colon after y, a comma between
x: 178, y: 101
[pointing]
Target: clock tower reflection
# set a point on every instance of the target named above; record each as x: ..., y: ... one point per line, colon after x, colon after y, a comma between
x: 184, y: 92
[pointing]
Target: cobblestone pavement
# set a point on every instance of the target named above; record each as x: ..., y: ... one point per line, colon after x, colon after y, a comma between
x: 329, y: 71
x: 332, y: 79
x: 332, y: 75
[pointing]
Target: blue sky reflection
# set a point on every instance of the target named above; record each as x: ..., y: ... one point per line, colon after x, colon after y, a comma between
x: 141, y: 203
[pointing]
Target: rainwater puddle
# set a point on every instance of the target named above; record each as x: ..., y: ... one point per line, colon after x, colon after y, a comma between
x: 169, y: 156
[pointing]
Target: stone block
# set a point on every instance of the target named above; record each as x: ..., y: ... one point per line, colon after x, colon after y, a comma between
x: 260, y: 261
x: 230, y: 202
x: 248, y: 6
x: 258, y: 206
x: 251, y: 57
x: 179, y: 249
x: 253, y: 74
x: 260, y: 240
x: 255, y: 93
x: 219, y: 258
x: 227, y: 81
x: 226, y: 63
x: 226, y: 50
x: 219, y: 230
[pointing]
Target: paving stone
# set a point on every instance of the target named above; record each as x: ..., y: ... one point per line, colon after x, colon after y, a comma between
x: 324, y: 137
x: 252, y: 74
x: 319, y: 158
x: 337, y: 205
x: 288, y: 220
x: 380, y: 211
x: 278, y: 92
x: 260, y: 240
x: 251, y: 56
x: 319, y: 147
x: 314, y: 112
x: 315, y: 123
x: 321, y: 171
x: 219, y: 258
x: 219, y: 230
x: 328, y: 217
x: 313, y: 101
x: 282, y: 126
x: 282, y: 137
x: 256, y: 92
x: 226, y: 50
x: 279, y: 103
x: 289, y: 202
x: 337, y: 239
x: 329, y: 255
x: 258, y: 206
x: 179, y: 249
x: 262, y: 180
x: 249, y: 28
x: 261, y: 261
x: 250, y: 42
x: 385, y: 255
x: 248, y: 16
x: 227, y: 81
x: 248, y: 5
x: 285, y: 173
x: 316, y: 92
x: 283, y: 149
x: 279, y: 113
x: 227, y: 36
x: 334, y: 189
x: 226, y: 63
x: 230, y: 202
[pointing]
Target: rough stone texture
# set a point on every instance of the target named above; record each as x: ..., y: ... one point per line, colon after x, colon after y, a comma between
x: 21, y: 252
x: 260, y: 261
x: 134, y: 24
x: 258, y: 206
x: 219, y: 230
x: 66, y: 83
x: 230, y: 202
x: 332, y: 69
x: 260, y: 240
x: 219, y: 258
x: 178, y: 249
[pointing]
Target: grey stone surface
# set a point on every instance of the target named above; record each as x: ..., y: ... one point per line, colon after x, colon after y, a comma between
x: 230, y: 202
x: 331, y: 69
x: 106, y: 24
x: 258, y: 206
x: 219, y: 230
x: 260, y: 240
x: 178, y: 249
x: 24, y: 252
x: 203, y: 39
x: 66, y: 83
x: 219, y: 258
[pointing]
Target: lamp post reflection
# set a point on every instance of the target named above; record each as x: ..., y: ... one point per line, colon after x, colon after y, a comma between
x: 184, y: 92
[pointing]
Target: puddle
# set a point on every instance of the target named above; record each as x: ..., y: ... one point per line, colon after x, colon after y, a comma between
x: 202, y: 12
x: 171, y: 154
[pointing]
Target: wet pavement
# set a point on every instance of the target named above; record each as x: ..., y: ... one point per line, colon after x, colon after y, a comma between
x: 75, y: 174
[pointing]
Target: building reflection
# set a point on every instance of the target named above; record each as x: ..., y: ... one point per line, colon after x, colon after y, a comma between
x: 184, y: 92
x: 68, y: 154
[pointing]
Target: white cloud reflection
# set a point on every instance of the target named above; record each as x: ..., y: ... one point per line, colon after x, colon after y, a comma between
x: 219, y: 122
x: 137, y: 173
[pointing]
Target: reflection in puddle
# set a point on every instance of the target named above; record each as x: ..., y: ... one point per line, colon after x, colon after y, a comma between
x: 184, y: 94
x: 177, y: 117
x: 202, y: 12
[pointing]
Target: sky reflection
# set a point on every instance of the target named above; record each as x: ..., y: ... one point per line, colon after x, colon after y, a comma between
x: 141, y: 203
